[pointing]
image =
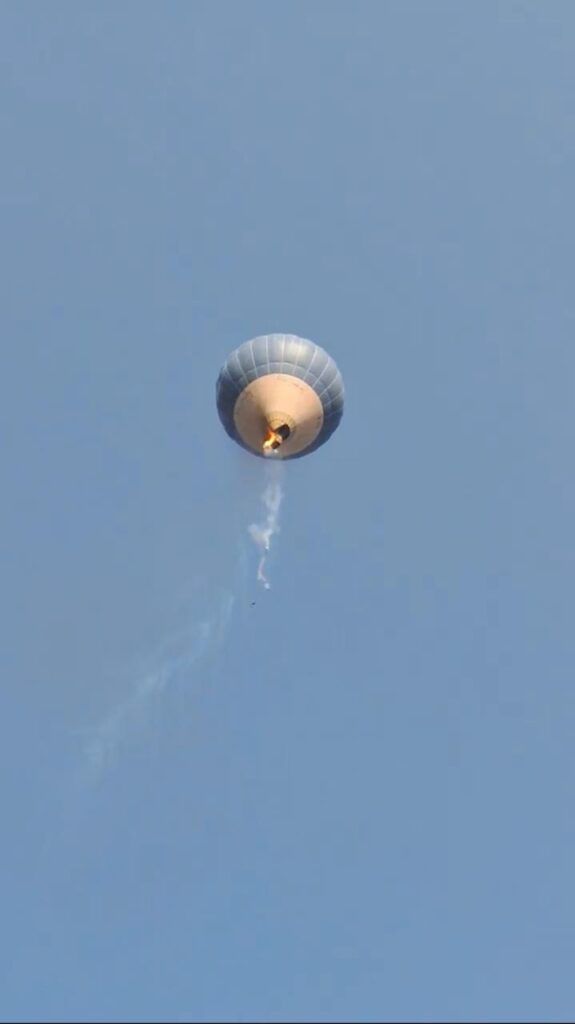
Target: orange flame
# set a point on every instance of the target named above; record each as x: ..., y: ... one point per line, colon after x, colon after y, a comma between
x: 272, y: 441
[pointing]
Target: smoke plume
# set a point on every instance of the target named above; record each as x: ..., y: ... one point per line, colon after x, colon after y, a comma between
x: 186, y: 650
x: 263, y: 532
x: 180, y: 653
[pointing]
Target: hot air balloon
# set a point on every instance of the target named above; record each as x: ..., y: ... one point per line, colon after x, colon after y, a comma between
x: 280, y: 395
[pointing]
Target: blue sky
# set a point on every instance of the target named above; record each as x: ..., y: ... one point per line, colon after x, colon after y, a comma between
x: 355, y: 800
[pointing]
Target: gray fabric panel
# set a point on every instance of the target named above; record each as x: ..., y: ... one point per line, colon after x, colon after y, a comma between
x: 334, y: 391
x: 295, y: 352
x: 298, y: 371
x: 233, y: 366
x: 229, y: 381
x: 275, y: 344
x: 268, y: 356
x: 246, y: 358
x: 333, y: 412
x: 327, y: 378
x: 320, y: 382
x: 317, y: 364
x: 260, y: 350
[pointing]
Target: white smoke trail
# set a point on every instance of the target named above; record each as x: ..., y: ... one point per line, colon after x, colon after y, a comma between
x: 186, y: 649
x: 263, y: 532
x: 174, y: 660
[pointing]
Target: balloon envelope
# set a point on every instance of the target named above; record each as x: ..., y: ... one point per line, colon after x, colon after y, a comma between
x: 279, y: 394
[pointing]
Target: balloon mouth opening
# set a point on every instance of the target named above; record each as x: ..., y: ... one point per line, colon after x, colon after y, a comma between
x: 275, y: 438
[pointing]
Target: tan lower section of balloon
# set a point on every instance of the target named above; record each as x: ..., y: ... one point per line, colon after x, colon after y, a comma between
x: 272, y: 400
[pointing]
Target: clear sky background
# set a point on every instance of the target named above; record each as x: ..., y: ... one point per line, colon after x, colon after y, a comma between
x: 354, y: 801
